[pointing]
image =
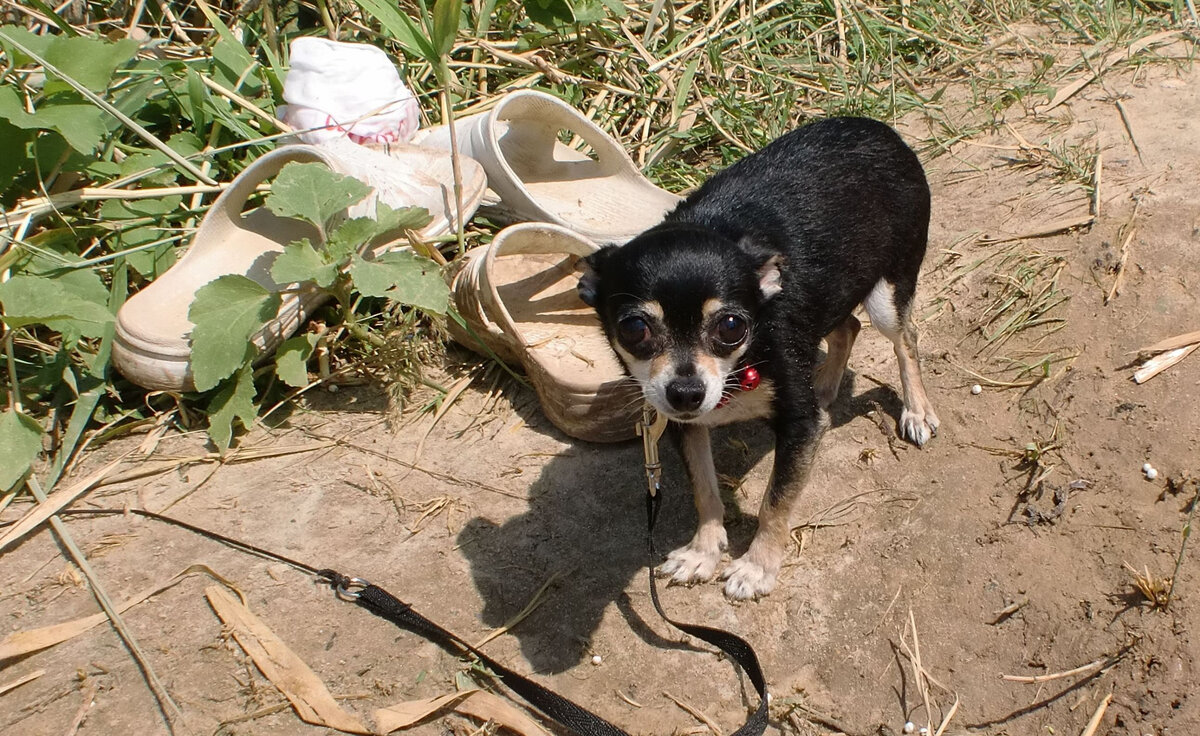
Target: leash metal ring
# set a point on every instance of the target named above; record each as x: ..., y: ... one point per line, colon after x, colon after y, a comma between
x: 350, y: 591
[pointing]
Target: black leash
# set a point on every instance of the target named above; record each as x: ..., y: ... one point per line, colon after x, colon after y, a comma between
x: 737, y: 648
x: 572, y: 716
x: 651, y: 429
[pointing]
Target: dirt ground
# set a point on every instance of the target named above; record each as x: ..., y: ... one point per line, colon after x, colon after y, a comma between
x: 998, y: 578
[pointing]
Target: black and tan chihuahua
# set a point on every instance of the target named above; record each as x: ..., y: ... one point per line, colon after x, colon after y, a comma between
x: 718, y: 313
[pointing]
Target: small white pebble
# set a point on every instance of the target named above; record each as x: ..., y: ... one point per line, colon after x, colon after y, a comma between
x: 1151, y: 473
x: 596, y: 659
x: 1147, y: 467
x: 924, y: 731
x: 909, y: 727
x: 976, y: 389
x: 332, y: 388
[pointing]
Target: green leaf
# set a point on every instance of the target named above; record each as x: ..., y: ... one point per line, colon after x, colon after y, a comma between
x: 232, y: 63
x: 14, y: 154
x: 196, y: 99
x: 128, y: 209
x: 89, y: 61
x: 313, y: 193
x: 404, y: 218
x: 53, y: 256
x: 684, y: 87
x: 152, y: 262
x: 446, y: 16
x: 300, y: 262
x: 589, y: 11
x: 81, y: 124
x: 291, y: 359
x: 36, y: 43
x: 351, y: 236
x: 400, y: 27
x: 402, y: 276
x: 235, y: 400
x: 615, y: 7
x: 20, y: 442
x: 231, y: 57
x: 550, y: 12
x: 32, y: 300
x: 226, y: 312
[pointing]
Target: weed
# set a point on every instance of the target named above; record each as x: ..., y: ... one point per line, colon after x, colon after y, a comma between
x: 1156, y: 590
x: 1024, y: 292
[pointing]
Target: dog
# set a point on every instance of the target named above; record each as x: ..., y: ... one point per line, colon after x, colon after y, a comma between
x: 719, y: 311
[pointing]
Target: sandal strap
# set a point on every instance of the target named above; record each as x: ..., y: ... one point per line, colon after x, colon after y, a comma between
x: 541, y: 116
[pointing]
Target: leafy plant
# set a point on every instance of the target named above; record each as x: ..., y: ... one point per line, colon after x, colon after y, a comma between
x: 230, y: 311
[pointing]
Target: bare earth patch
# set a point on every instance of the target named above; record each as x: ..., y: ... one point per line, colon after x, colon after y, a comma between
x: 1000, y: 549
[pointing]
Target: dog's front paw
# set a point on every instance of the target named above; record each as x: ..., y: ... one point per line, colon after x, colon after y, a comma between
x: 697, y: 561
x: 746, y: 578
x: 688, y: 565
x: 919, y: 424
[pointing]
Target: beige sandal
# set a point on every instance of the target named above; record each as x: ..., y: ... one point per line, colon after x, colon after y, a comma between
x: 541, y: 179
x: 518, y: 296
x: 153, y: 346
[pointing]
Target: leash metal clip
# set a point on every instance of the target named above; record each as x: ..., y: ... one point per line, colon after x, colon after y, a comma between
x: 350, y: 588
x: 651, y: 429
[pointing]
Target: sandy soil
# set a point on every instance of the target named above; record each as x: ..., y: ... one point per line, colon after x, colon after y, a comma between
x: 945, y: 539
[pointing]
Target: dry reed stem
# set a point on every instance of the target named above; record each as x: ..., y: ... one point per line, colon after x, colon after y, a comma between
x: 1094, y: 723
x: 996, y: 383
x: 1037, y: 679
x: 170, y: 710
x: 919, y: 670
x: 818, y: 717
x: 1058, y: 227
x: 1161, y: 362
x: 538, y: 599
x: 89, y: 700
x: 695, y: 713
x: 246, y: 104
x: 924, y: 679
x: 1172, y: 343
x: 1119, y: 278
x: 14, y: 684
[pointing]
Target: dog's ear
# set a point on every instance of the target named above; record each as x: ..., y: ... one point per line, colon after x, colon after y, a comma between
x: 770, y: 279
x: 589, y: 278
x: 767, y: 263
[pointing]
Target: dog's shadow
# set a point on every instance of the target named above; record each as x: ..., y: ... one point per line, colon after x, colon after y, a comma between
x: 586, y: 524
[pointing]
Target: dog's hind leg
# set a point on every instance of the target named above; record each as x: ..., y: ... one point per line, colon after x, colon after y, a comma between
x: 828, y: 377
x: 698, y: 560
x: 893, y: 317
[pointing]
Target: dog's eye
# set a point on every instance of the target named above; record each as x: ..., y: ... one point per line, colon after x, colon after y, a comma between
x: 633, y: 331
x: 731, y: 330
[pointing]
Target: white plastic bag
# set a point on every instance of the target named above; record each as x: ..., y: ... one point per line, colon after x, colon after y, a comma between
x: 336, y: 90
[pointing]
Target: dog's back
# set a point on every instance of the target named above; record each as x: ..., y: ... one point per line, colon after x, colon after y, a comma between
x: 844, y: 200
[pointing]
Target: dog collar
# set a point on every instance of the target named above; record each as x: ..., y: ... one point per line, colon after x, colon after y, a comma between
x: 748, y: 380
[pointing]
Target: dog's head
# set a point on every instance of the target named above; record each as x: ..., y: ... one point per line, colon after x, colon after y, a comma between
x: 679, y: 304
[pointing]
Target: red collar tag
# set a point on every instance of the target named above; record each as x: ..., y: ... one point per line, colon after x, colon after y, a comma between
x: 748, y: 380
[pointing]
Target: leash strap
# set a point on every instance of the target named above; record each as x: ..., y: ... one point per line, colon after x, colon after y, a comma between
x: 737, y: 648
x: 385, y: 605
x: 572, y: 716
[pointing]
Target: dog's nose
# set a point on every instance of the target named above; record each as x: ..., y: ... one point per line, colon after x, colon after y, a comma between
x: 685, y: 394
